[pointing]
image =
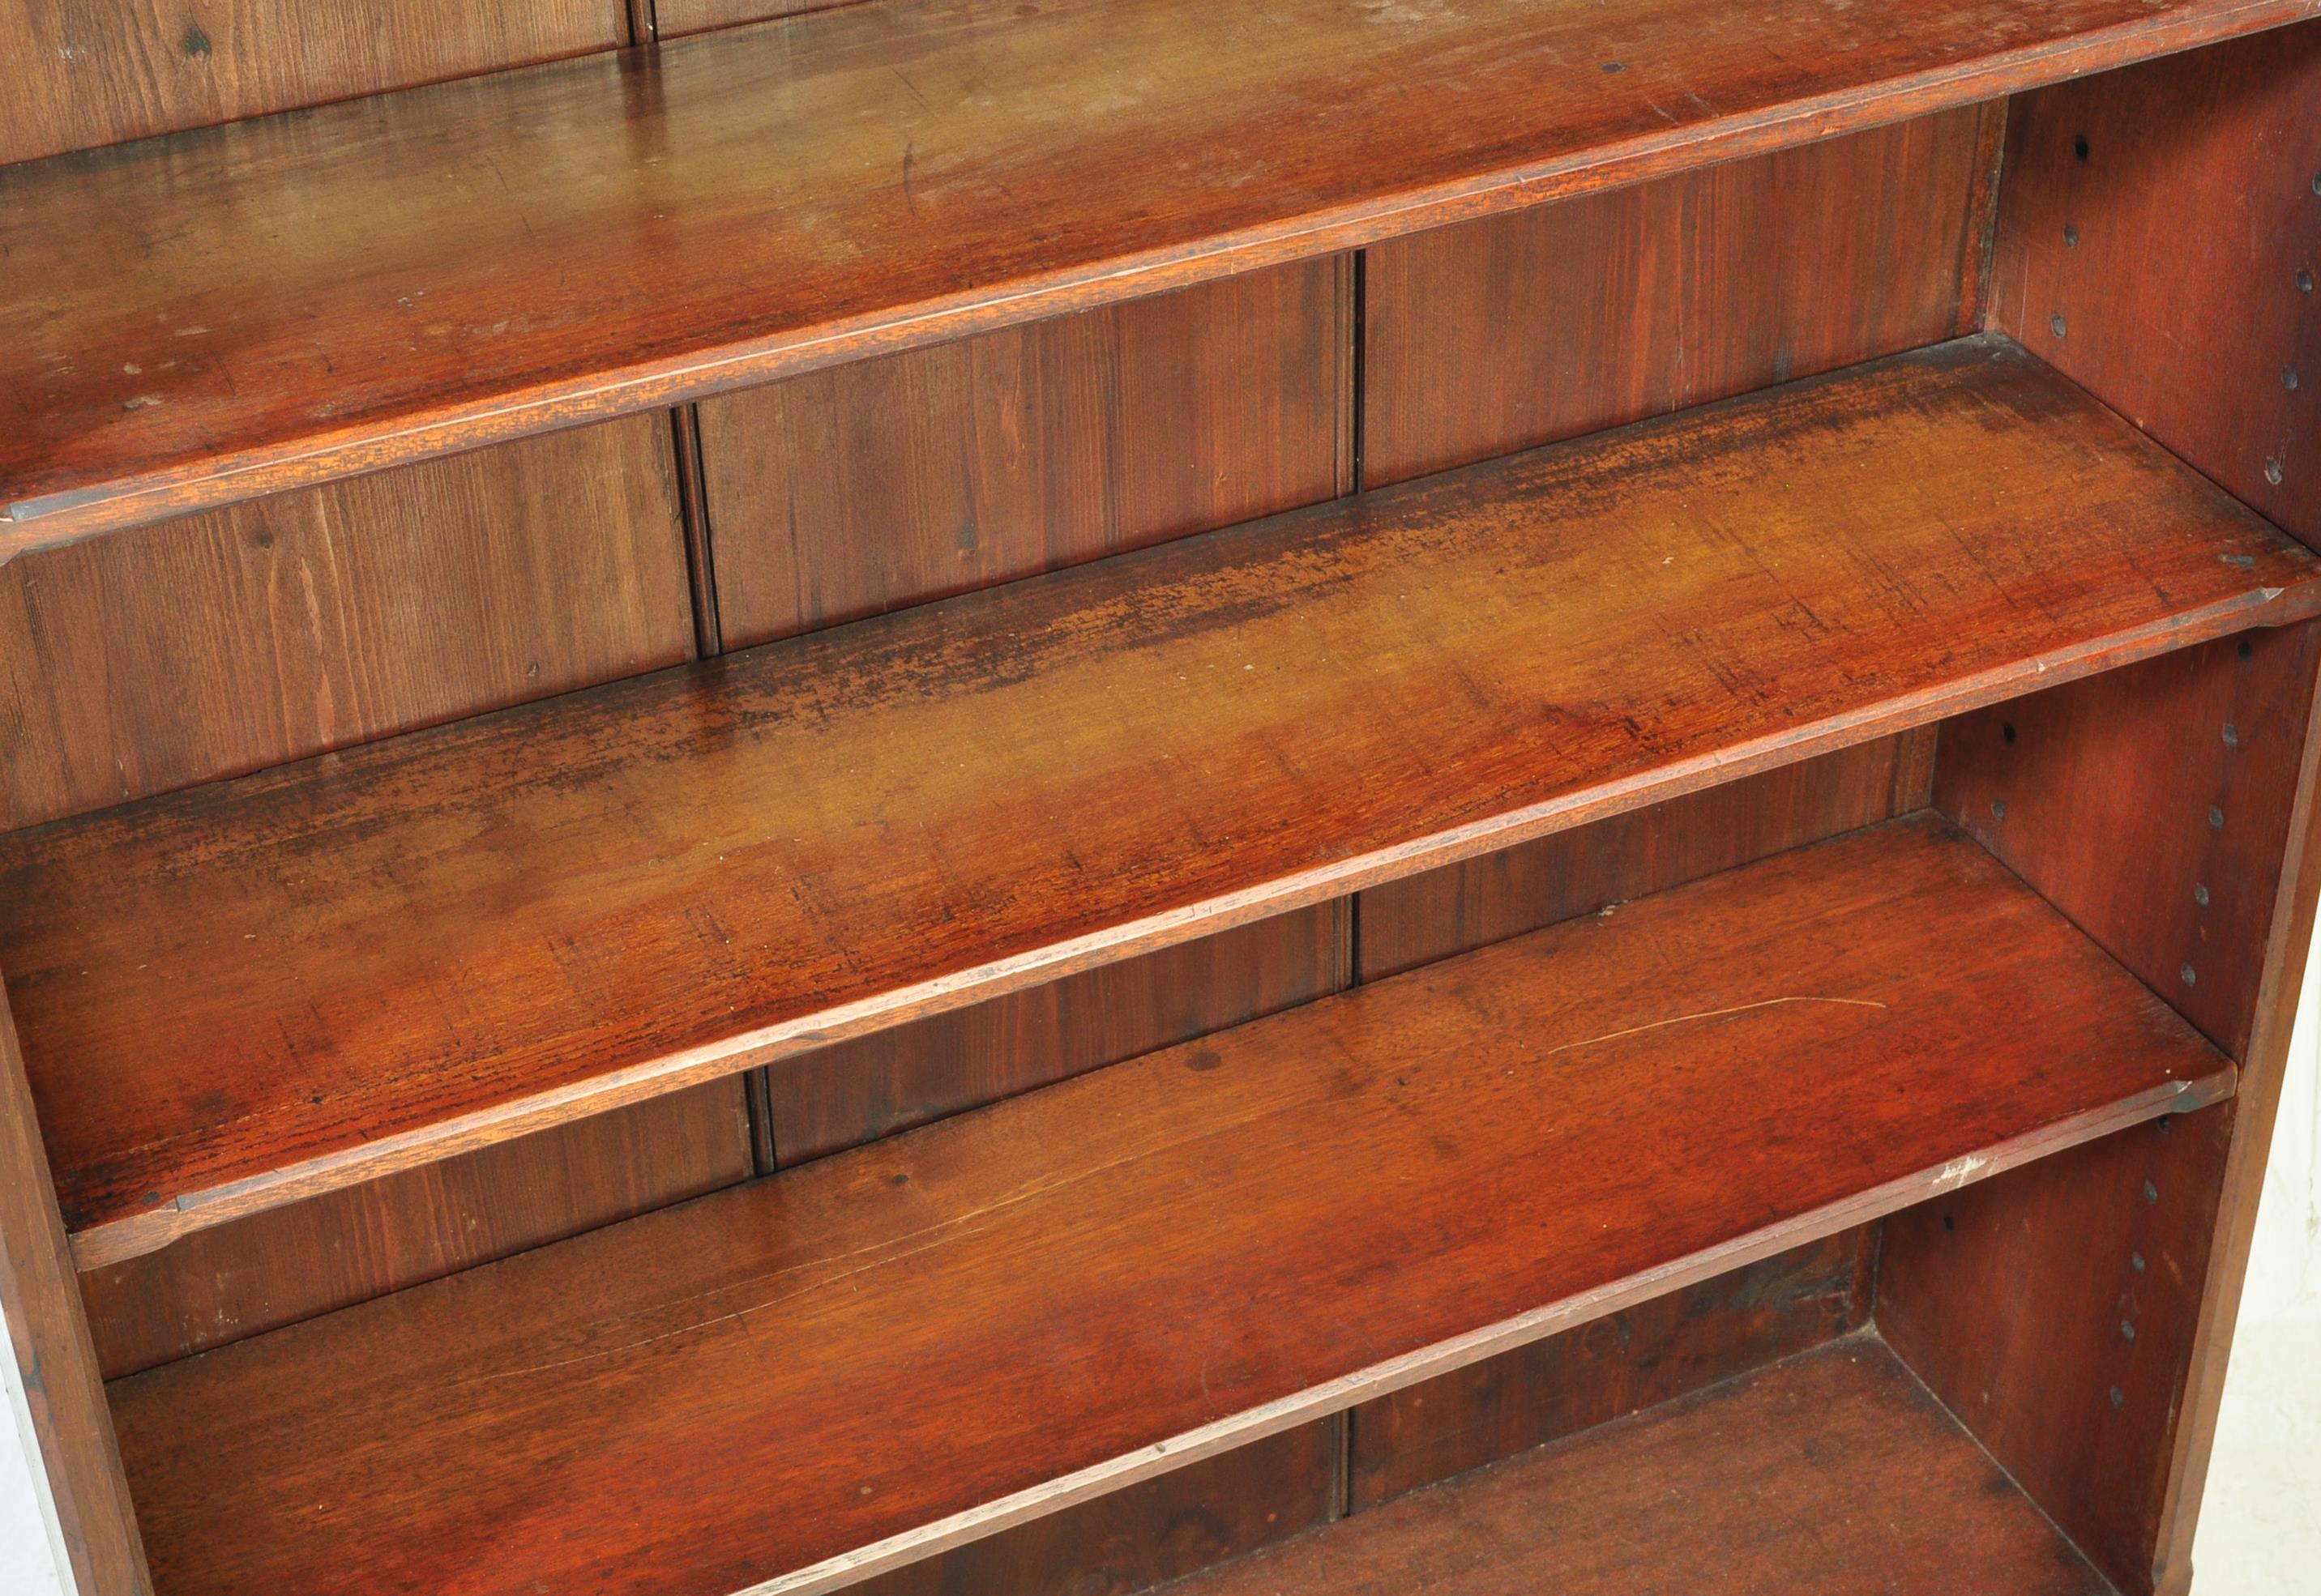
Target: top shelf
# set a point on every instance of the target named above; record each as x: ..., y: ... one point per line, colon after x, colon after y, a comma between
x: 202, y: 318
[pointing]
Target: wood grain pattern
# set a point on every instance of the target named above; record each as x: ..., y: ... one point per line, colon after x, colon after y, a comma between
x: 1641, y: 1357
x: 1570, y: 318
x: 2169, y: 256
x: 276, y: 1268
x: 676, y: 18
x: 1158, y: 1529
x: 275, y: 630
x: 460, y: 264
x: 1834, y: 1473
x: 2188, y: 766
x: 808, y: 1379
x: 876, y: 487
x: 839, y: 1097
x: 72, y: 1428
x: 488, y: 928
x: 83, y: 73
x: 1423, y: 918
x: 2054, y: 1310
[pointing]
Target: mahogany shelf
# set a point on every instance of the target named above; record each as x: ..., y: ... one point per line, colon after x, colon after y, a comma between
x: 869, y: 1358
x: 217, y: 314
x: 238, y: 995
x: 1835, y: 1472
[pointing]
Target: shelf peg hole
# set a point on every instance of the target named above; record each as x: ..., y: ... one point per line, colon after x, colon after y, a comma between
x: 2188, y: 974
x: 2081, y: 148
x: 2058, y: 326
x: 2272, y: 472
x: 2247, y: 650
x: 1998, y: 809
x: 2305, y: 279
x: 2215, y: 819
x: 2135, y: 1262
x: 2200, y: 893
x: 2289, y: 379
x: 2006, y: 732
x: 2232, y: 734
x: 2151, y: 1192
x: 2126, y: 1330
x: 2070, y: 235
x: 2119, y: 1397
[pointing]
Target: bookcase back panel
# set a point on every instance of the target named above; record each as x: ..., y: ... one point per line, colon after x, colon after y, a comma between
x: 891, y: 1080
x: 1158, y: 1529
x: 1649, y: 1354
x: 250, y: 637
x: 83, y: 73
x: 2159, y: 242
x: 892, y: 482
x: 274, y: 1268
x: 2054, y: 1310
x: 1570, y: 318
x: 1459, y: 907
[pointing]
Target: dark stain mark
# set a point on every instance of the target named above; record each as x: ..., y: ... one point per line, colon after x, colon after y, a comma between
x: 1202, y: 1060
x: 196, y: 43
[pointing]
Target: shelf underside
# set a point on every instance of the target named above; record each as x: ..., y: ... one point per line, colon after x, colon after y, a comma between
x: 861, y: 1361
x: 1835, y: 1472
x: 241, y: 995
x: 221, y: 313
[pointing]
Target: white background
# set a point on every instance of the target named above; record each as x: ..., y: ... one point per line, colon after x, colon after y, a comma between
x: 2261, y: 1524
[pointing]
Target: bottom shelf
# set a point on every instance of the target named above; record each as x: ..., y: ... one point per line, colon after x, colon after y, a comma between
x: 1834, y: 1473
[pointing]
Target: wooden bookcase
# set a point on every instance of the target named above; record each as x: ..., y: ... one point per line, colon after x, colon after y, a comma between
x: 943, y: 797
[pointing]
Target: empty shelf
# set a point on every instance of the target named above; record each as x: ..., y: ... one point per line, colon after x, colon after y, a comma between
x: 237, y: 996
x: 214, y: 314
x: 865, y: 1359
x: 1835, y: 1472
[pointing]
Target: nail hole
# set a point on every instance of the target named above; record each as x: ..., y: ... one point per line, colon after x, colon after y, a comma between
x: 2119, y: 1397
x: 1998, y: 809
x: 2007, y: 730
x: 2080, y: 149
x: 2071, y: 236
x: 1616, y: 66
x: 2135, y: 1262
x: 2056, y: 325
x: 2200, y: 893
x: 900, y: 1180
x: 2232, y: 734
x: 2188, y: 974
x: 2215, y: 819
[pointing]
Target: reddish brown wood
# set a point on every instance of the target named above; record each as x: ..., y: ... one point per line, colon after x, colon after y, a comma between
x: 2055, y: 1308
x: 1423, y: 918
x: 874, y: 1356
x: 880, y: 486
x: 290, y: 1264
x: 2188, y: 766
x: 1834, y: 1473
x: 464, y: 263
x: 2162, y: 269
x: 1570, y: 318
x: 72, y: 1431
x: 273, y: 630
x: 1652, y: 1353
x: 497, y: 926
x: 88, y: 72
x: 1158, y: 1529
x: 678, y: 18
x: 839, y: 1097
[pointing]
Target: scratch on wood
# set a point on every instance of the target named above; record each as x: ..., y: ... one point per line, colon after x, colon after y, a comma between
x: 1614, y: 1036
